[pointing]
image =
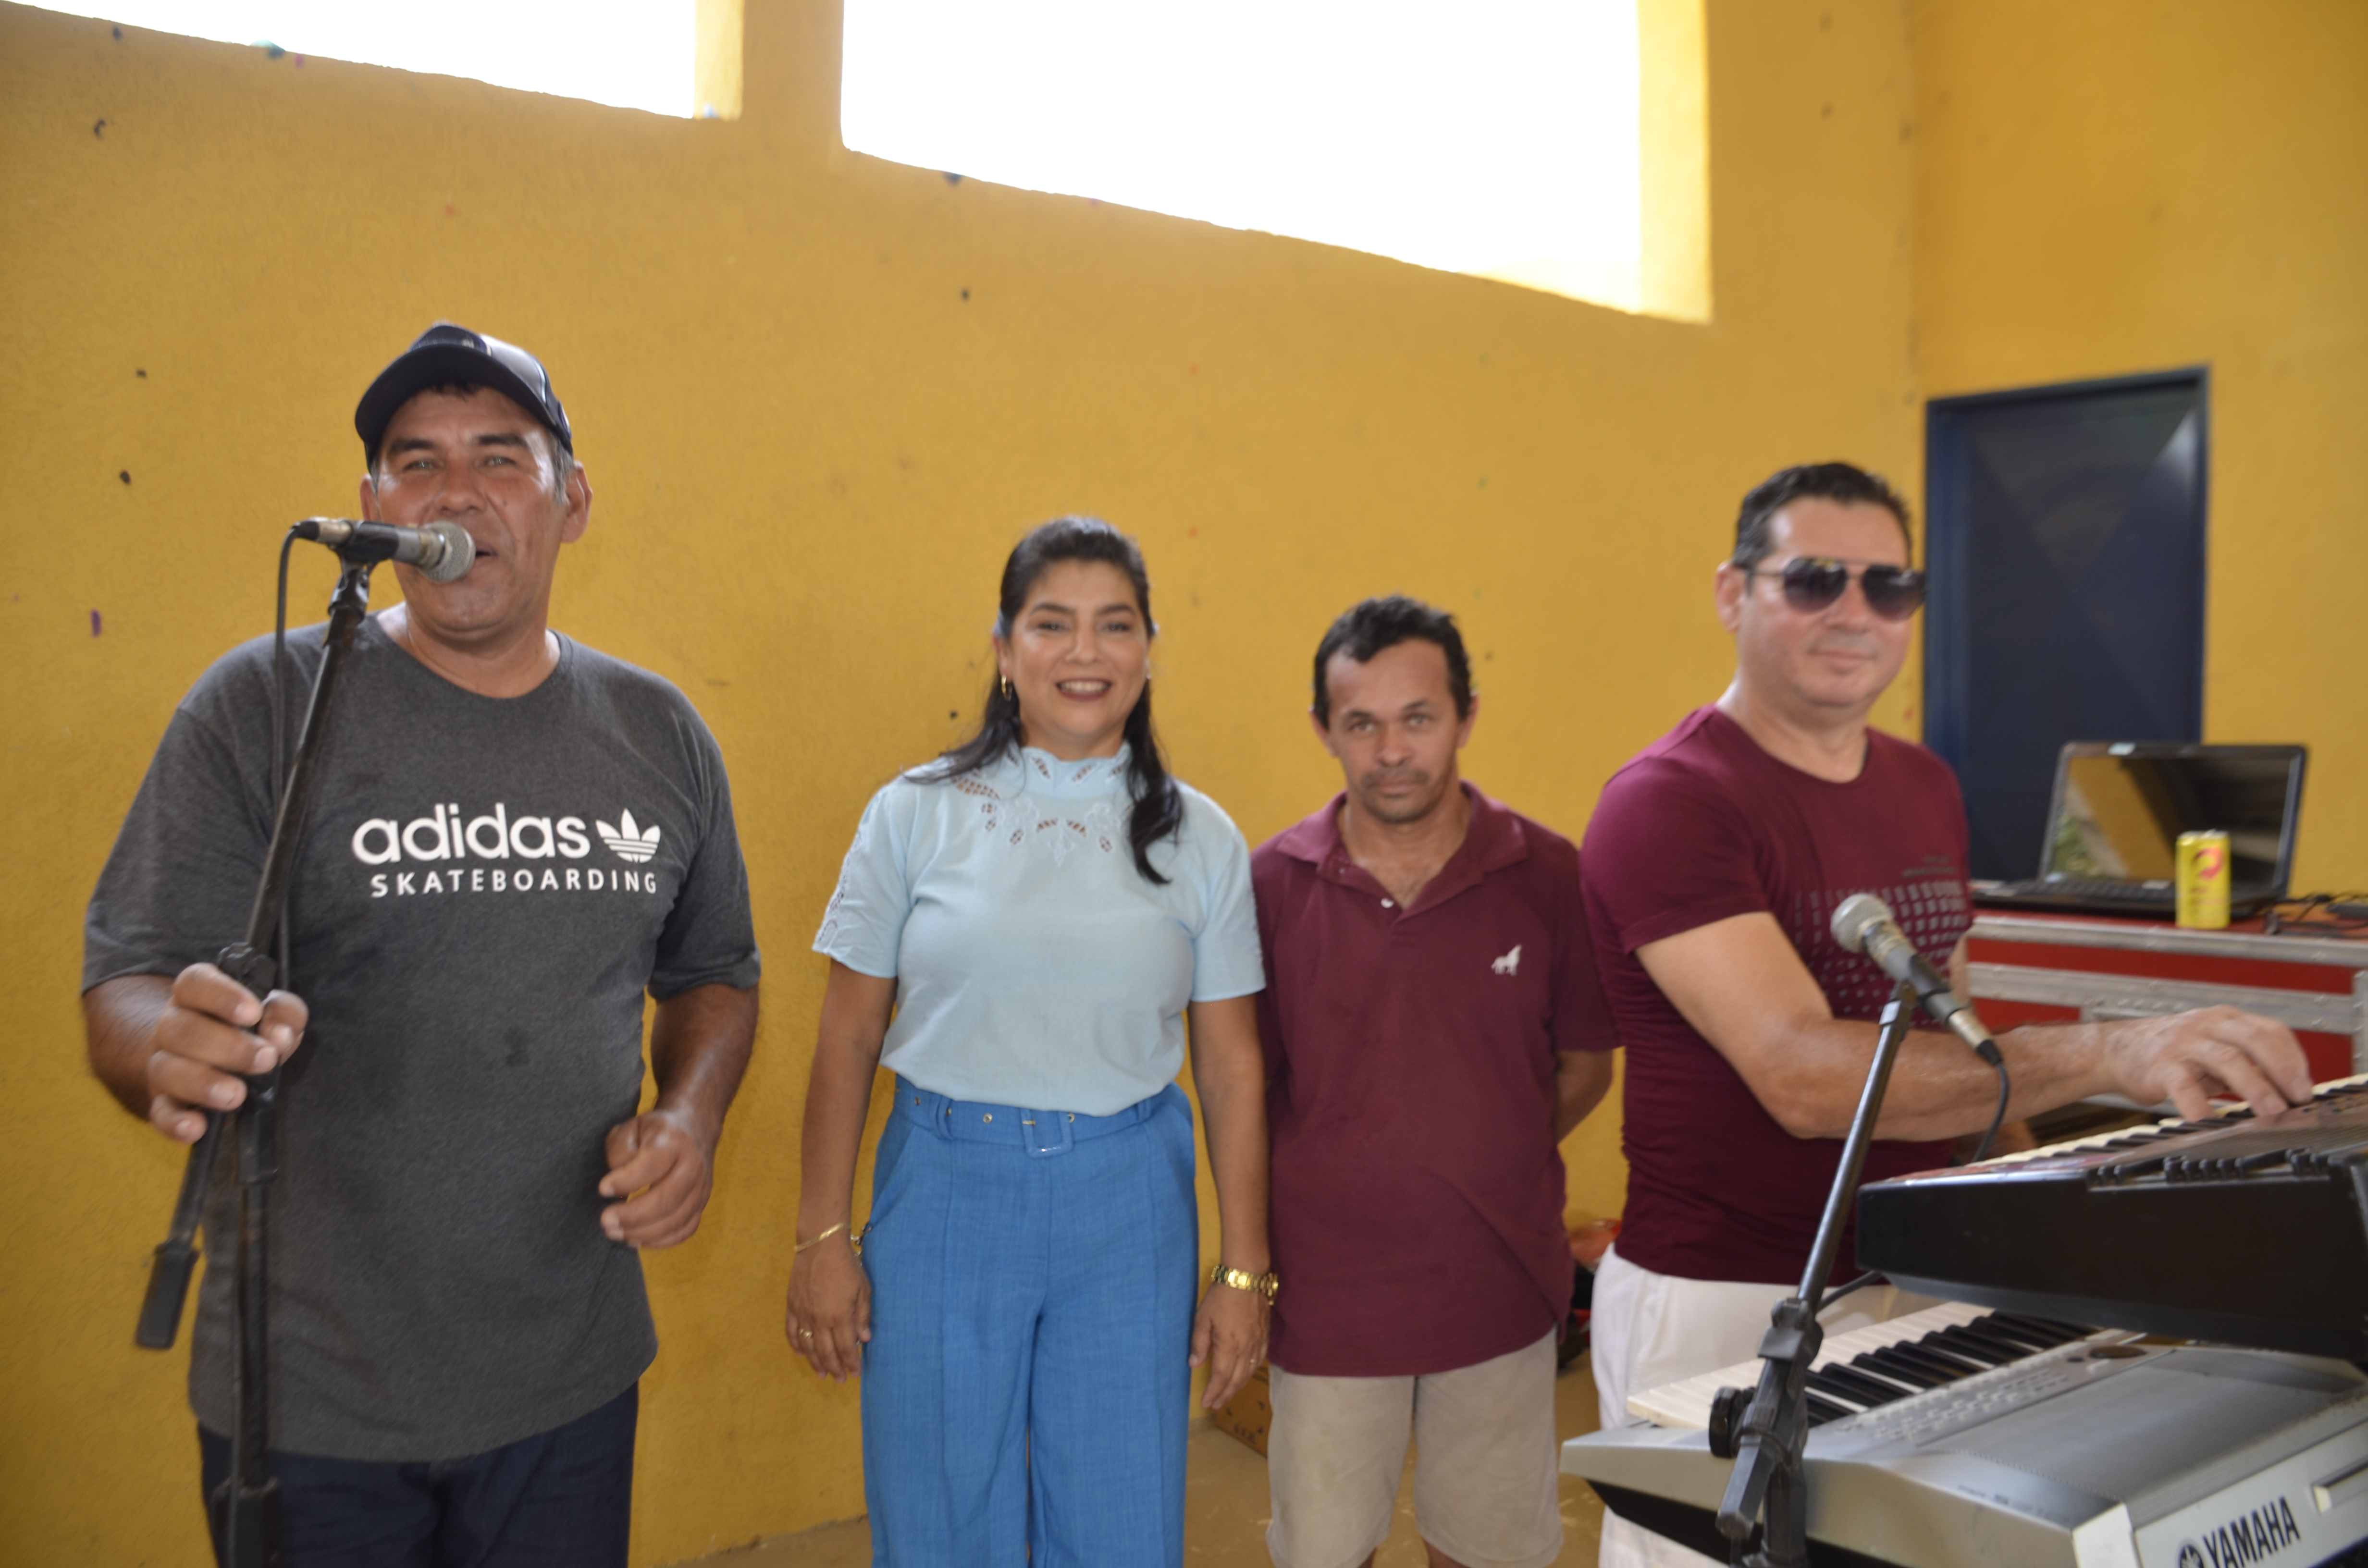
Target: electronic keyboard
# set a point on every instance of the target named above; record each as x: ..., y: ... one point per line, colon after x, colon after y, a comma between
x: 2248, y: 1230
x: 1863, y: 1369
x: 2096, y: 1453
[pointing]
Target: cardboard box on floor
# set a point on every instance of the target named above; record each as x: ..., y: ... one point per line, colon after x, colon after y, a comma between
x: 1247, y: 1414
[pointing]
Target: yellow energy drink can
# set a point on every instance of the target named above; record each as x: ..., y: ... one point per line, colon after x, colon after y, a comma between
x: 2203, y: 881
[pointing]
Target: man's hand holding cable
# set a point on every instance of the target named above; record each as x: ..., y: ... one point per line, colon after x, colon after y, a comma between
x: 173, y: 1049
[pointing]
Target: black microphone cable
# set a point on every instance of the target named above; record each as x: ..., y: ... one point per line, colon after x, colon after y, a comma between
x: 280, y: 950
x: 1998, y: 1117
x: 1981, y: 1152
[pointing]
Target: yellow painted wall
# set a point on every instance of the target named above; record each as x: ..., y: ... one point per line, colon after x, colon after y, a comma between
x: 2127, y: 185
x: 818, y: 396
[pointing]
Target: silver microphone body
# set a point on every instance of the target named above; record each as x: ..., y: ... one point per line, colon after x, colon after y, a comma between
x: 442, y: 551
x: 1864, y: 924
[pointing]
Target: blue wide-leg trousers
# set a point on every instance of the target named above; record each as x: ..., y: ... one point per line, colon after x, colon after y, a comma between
x: 1026, y: 1387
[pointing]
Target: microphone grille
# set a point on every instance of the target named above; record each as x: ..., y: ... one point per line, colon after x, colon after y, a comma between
x: 1859, y: 914
x: 460, y: 552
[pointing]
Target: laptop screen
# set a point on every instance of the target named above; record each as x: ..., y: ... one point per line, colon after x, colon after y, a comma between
x: 2120, y: 808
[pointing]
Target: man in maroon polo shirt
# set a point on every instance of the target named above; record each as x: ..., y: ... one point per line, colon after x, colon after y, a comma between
x: 1433, y: 1028
x: 1714, y: 859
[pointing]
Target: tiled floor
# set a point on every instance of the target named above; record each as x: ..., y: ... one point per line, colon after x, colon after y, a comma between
x: 1225, y: 1507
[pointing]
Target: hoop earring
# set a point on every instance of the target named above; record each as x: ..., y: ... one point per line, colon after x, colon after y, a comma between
x: 1003, y: 683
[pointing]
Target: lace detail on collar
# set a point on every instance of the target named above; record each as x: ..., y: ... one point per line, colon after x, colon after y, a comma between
x: 1029, y: 767
x: 1056, y: 827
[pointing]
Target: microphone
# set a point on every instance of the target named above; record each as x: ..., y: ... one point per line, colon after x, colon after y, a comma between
x: 442, y: 551
x: 1864, y: 924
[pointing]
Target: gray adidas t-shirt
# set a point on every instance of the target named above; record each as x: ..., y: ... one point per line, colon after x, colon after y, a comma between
x: 486, y: 888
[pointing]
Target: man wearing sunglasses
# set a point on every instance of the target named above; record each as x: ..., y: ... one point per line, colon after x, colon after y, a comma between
x: 1714, y: 861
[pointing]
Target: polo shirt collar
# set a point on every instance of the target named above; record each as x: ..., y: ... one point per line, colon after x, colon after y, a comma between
x: 1492, y: 842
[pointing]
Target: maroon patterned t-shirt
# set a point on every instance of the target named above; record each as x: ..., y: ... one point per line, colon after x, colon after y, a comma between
x: 1704, y: 825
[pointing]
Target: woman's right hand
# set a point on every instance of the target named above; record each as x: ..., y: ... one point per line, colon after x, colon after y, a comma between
x: 829, y: 1315
x: 830, y: 1308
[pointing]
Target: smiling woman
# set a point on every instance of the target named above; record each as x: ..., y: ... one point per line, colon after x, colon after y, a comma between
x: 1073, y: 654
x: 1076, y: 659
x: 1038, y: 911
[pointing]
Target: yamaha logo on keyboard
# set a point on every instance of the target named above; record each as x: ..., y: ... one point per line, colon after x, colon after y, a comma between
x: 2249, y: 1537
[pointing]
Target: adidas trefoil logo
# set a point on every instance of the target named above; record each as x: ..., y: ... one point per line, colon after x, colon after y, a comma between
x: 628, y: 840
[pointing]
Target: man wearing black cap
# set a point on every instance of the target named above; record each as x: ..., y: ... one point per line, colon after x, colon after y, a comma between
x: 515, y: 839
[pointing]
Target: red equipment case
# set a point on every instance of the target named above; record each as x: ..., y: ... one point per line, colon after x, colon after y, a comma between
x: 2031, y: 968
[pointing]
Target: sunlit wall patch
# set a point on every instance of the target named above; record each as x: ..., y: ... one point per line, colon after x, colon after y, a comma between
x: 669, y: 57
x: 1511, y: 138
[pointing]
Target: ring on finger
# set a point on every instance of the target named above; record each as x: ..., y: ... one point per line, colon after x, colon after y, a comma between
x: 807, y: 1335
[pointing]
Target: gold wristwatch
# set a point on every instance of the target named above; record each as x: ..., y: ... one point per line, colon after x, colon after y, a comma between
x: 1243, y: 1279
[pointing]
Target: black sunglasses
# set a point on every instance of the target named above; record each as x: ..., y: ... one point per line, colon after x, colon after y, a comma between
x: 1813, y: 583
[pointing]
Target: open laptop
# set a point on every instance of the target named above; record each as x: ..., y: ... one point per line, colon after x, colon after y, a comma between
x: 2119, y: 807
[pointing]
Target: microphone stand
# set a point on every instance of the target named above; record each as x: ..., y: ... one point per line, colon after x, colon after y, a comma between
x: 1765, y: 1431
x: 245, y: 1507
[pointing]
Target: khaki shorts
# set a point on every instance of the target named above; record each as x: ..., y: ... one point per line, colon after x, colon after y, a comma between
x: 1484, y: 1474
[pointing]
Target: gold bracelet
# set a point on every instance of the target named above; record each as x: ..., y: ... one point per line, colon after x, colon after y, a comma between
x: 1243, y: 1279
x: 818, y: 1240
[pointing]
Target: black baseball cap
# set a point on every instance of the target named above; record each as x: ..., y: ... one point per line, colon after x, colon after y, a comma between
x: 446, y: 354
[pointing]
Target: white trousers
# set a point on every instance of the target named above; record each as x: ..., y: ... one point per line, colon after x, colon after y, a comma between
x: 1650, y: 1329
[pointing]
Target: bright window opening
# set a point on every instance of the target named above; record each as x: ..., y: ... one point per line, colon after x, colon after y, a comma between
x: 641, y: 54
x: 1505, y: 138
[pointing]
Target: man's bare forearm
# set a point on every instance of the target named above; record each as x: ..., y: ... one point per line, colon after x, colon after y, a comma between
x: 1940, y: 1089
x: 1742, y: 987
x: 699, y: 1044
x: 1581, y: 1080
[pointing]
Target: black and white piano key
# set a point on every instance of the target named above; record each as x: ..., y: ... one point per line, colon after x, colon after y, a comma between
x: 1865, y: 1369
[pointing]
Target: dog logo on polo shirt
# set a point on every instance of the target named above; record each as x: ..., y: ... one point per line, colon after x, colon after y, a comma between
x: 1510, y: 963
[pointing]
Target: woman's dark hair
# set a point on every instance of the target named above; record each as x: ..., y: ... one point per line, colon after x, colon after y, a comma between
x: 1158, y: 806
